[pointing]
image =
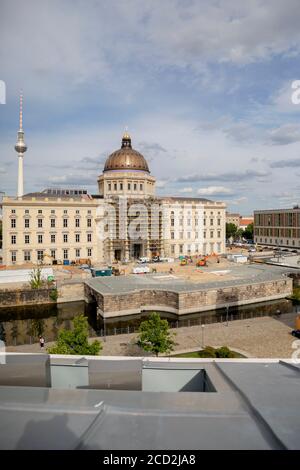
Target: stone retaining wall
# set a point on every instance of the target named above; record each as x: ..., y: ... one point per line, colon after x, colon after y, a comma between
x: 20, y: 296
x: 110, y: 305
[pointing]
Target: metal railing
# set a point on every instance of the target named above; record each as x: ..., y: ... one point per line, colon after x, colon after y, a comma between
x: 205, y: 320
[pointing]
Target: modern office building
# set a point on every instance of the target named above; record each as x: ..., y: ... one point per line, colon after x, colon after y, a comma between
x: 278, y: 228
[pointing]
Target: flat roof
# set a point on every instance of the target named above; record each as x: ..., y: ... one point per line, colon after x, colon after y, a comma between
x: 240, y: 275
x: 255, y: 406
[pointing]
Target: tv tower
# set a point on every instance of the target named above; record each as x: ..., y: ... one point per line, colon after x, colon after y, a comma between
x: 20, y: 148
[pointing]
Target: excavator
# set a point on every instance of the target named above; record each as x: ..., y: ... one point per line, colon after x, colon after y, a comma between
x: 203, y: 261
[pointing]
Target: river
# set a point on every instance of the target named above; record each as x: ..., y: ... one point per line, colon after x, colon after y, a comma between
x: 23, y: 325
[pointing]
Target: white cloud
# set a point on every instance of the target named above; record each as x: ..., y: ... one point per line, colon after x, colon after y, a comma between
x: 186, y: 190
x: 214, y: 191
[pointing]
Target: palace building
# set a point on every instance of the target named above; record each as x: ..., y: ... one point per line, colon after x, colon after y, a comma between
x: 124, y: 221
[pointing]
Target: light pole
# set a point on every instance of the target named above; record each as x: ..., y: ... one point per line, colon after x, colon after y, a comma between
x: 202, y: 327
x: 227, y: 310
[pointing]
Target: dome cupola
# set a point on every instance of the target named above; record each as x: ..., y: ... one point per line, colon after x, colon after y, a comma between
x: 126, y: 158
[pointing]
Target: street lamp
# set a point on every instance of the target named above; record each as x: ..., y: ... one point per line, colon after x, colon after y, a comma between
x: 227, y: 310
x: 202, y: 327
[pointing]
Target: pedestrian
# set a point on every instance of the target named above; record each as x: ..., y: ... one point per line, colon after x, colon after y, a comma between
x: 42, y: 342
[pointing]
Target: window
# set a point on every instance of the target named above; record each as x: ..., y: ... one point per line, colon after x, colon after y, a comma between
x: 77, y: 252
x: 89, y: 251
x: 141, y: 187
x: 40, y: 223
x: 204, y: 221
x: 134, y: 186
x: 211, y: 221
x: 219, y: 247
x: 196, y: 221
x: 40, y: 255
x: 89, y: 211
x: 219, y: 221
x: 65, y: 211
x: 65, y: 223
x: 77, y: 211
x: 26, y: 223
x: 13, y: 211
x: 77, y: 222
x: 109, y: 186
x: 52, y: 223
x: 53, y: 254
x: 13, y: 256
x: 172, y: 249
x: 52, y: 238
x: 211, y: 234
x: 77, y: 237
x: 172, y: 222
x: 89, y: 237
x: 219, y: 233
x: 204, y: 234
x: 189, y: 222
x: 196, y: 234
x: 121, y: 186
x: 115, y: 186
x: 52, y: 211
x: 13, y: 239
x: 180, y: 248
x: 26, y: 255
x: 65, y: 238
x: 40, y: 238
x: 189, y: 234
x: 27, y: 239
x: 172, y: 235
x: 129, y: 186
x: 13, y: 223
x: 181, y: 235
x: 40, y: 211
x: 66, y: 254
x: 26, y: 211
x: 89, y: 222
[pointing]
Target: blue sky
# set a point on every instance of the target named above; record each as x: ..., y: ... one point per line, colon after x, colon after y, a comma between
x: 204, y: 87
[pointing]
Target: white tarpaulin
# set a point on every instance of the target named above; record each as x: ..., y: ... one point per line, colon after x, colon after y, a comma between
x: 22, y: 275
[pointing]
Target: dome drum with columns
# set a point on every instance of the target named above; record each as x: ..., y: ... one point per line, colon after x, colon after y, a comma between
x: 126, y: 173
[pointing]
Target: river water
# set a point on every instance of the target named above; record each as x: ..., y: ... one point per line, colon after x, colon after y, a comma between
x: 23, y: 325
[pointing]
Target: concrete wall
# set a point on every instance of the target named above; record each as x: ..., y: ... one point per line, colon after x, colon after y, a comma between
x: 71, y: 291
x: 111, y: 305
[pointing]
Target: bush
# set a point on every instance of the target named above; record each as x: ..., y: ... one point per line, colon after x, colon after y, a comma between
x: 53, y: 294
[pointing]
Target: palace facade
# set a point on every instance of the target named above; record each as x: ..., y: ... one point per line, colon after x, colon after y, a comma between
x: 124, y: 221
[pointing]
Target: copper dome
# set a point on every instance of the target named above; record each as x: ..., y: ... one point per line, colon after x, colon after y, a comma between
x: 126, y: 158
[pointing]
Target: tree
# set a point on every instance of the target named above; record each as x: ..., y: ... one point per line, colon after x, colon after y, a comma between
x: 239, y: 234
x: 155, y: 336
x: 248, y: 233
x: 75, y: 341
x: 231, y: 230
x: 36, y: 280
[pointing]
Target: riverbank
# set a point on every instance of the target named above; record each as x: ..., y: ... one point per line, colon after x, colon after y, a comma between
x: 256, y: 337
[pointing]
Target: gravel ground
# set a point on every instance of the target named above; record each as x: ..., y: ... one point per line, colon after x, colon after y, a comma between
x: 257, y: 337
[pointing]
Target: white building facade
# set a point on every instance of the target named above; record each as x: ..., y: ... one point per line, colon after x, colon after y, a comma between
x: 70, y: 226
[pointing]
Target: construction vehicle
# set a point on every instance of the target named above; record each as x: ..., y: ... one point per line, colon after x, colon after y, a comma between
x: 183, y: 262
x: 202, y: 262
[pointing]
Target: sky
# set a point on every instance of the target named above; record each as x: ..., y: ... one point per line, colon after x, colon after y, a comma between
x: 204, y: 87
